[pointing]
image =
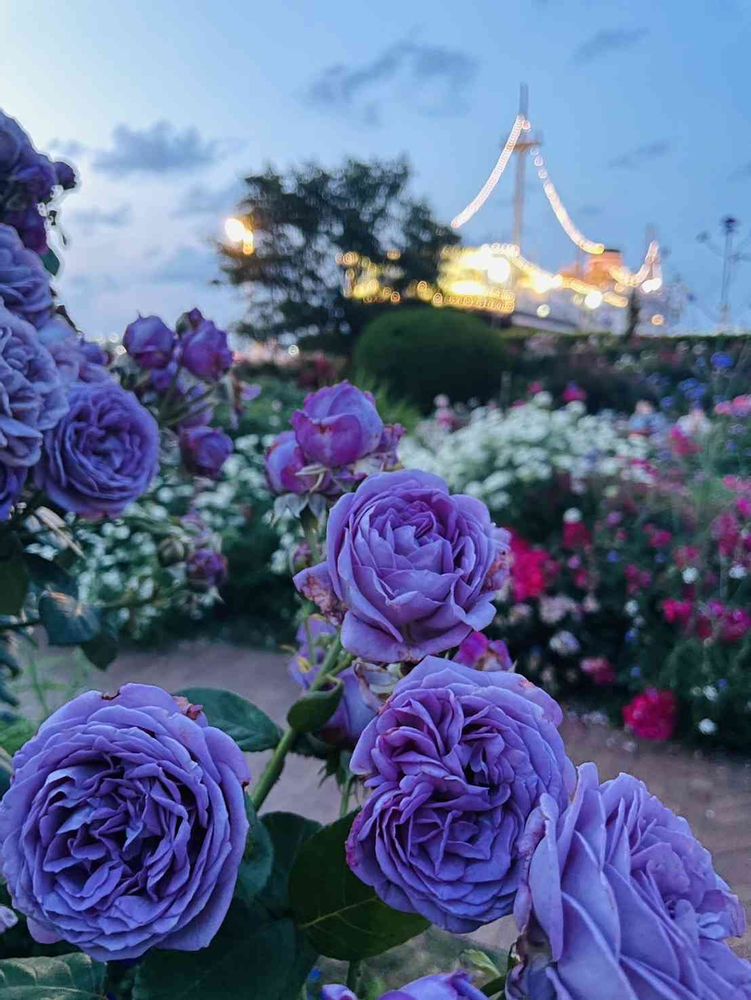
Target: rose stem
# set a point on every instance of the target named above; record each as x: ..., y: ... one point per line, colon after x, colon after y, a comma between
x: 275, y: 766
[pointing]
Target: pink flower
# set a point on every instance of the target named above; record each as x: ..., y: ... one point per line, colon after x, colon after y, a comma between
x: 659, y: 538
x: 574, y: 393
x: 677, y: 612
x: 682, y: 445
x: 652, y: 715
x: 637, y: 579
x: 599, y: 669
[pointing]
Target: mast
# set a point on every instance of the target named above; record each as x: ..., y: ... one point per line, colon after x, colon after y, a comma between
x: 524, y: 144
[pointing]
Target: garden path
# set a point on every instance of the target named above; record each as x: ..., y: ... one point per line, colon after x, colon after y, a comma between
x: 713, y: 793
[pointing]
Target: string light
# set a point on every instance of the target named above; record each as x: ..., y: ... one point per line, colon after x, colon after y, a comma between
x: 495, y: 175
x: 574, y: 234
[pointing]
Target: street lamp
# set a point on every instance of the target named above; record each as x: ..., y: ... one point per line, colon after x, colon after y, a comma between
x: 239, y: 232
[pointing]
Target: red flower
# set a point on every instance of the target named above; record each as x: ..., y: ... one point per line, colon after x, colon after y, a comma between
x: 637, y: 579
x: 531, y: 570
x: 576, y: 535
x: 652, y: 715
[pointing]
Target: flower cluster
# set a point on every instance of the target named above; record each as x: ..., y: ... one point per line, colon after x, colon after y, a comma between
x: 338, y: 438
x: 29, y: 180
x: 454, y: 986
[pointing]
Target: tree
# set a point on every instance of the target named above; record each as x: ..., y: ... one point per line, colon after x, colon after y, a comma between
x: 304, y: 219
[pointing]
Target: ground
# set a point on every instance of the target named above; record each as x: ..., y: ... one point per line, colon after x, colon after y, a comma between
x: 714, y: 794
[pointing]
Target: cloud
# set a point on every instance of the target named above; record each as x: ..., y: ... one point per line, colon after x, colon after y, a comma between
x: 608, y: 40
x: 641, y: 155
x: 92, y: 219
x: 93, y: 284
x: 158, y: 149
x: 66, y: 147
x: 187, y: 265
x: 200, y: 199
x: 434, y: 77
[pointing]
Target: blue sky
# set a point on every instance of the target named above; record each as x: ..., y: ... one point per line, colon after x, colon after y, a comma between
x: 644, y: 108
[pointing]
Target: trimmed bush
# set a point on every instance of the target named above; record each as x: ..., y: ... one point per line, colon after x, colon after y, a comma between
x: 421, y: 352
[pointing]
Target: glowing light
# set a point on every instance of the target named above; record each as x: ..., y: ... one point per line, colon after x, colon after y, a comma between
x: 238, y: 231
x: 495, y: 175
x: 235, y: 230
x: 593, y: 300
x: 498, y: 270
x: 575, y: 235
x: 543, y: 311
x: 293, y: 350
x: 658, y: 320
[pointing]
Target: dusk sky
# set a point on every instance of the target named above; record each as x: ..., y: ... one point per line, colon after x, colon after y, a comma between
x: 645, y: 109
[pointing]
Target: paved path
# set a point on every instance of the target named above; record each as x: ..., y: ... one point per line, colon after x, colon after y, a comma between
x: 713, y: 794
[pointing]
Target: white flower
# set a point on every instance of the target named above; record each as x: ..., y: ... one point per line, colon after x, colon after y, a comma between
x: 572, y: 516
x: 737, y: 572
x: 690, y: 575
x: 707, y: 727
x: 711, y: 693
x: 564, y: 643
x: 631, y: 608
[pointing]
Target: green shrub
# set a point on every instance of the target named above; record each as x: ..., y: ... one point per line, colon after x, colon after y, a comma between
x: 421, y: 352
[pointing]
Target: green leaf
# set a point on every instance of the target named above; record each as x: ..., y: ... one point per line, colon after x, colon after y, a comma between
x: 102, y: 649
x: 68, y: 622
x: 311, y: 712
x: 258, y: 858
x: 48, y: 575
x: 288, y: 833
x: 253, y: 957
x: 69, y: 977
x: 14, y: 576
x: 14, y: 734
x: 248, y: 726
x: 51, y: 262
x: 342, y: 916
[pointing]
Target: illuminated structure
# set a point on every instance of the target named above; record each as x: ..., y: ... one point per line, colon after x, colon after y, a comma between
x: 497, y: 278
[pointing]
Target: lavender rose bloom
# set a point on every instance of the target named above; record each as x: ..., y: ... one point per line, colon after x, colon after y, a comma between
x: 453, y: 986
x: 32, y: 398
x: 205, y: 351
x: 415, y: 567
x: 456, y: 761
x: 65, y: 175
x: 338, y: 425
x: 358, y: 705
x: 102, y: 455
x: 620, y: 901
x: 76, y: 360
x: 205, y: 450
x: 125, y: 825
x: 284, y: 463
x: 150, y: 342
x: 24, y: 285
x: 206, y: 568
x: 11, y: 483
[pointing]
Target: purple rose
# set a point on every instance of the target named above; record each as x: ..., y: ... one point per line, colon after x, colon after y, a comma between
x: 205, y: 450
x: 453, y: 986
x: 11, y: 483
x: 12, y: 140
x: 338, y: 425
x: 32, y: 398
x: 415, y: 567
x: 456, y: 761
x: 8, y: 919
x: 206, y: 569
x: 102, y: 455
x: 125, y: 825
x: 30, y: 226
x: 150, y: 342
x: 358, y: 705
x: 284, y: 463
x: 205, y: 351
x: 24, y: 285
x: 36, y: 174
x: 66, y: 175
x: 76, y: 360
x: 618, y: 899
x: 483, y: 654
